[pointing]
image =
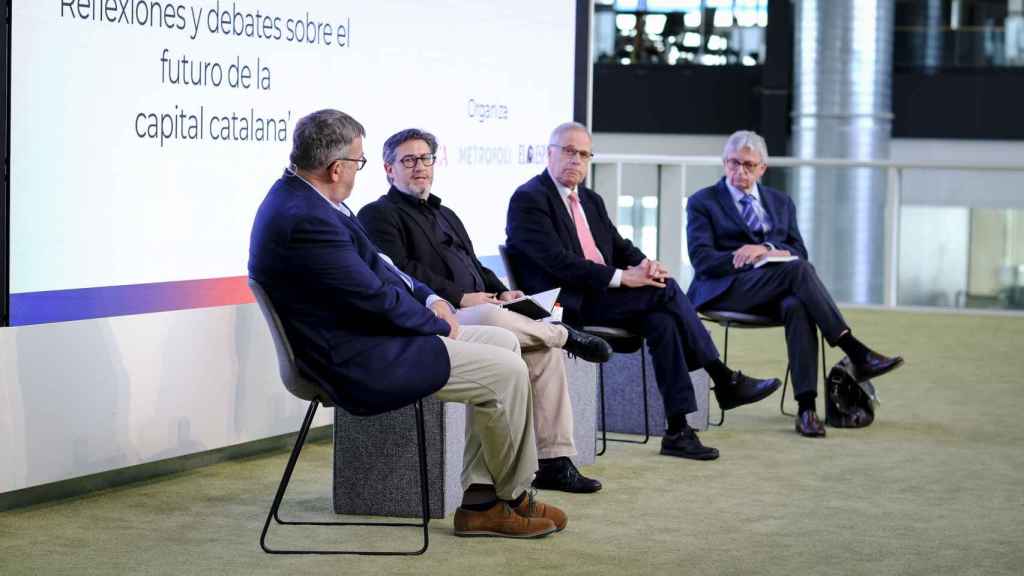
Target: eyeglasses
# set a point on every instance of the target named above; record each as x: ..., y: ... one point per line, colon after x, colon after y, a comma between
x: 569, y: 152
x: 360, y: 162
x: 735, y: 164
x: 410, y: 161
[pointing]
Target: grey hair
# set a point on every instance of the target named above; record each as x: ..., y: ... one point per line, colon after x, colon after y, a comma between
x: 322, y: 137
x: 746, y: 139
x: 561, y: 129
x: 398, y: 138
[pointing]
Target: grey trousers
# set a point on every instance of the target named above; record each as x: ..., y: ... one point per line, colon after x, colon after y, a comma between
x: 490, y: 377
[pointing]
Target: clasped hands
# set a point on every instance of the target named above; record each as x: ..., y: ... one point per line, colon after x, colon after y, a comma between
x: 753, y: 253
x: 646, y: 273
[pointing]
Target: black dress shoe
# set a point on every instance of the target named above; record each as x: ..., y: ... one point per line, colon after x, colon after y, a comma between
x: 561, y: 474
x: 807, y: 424
x: 685, y: 444
x: 744, y: 390
x: 586, y: 346
x: 874, y: 366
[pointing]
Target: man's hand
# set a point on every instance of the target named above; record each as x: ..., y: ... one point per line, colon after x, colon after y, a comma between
x: 509, y: 295
x: 639, y: 275
x: 443, y: 310
x: 779, y: 253
x: 655, y: 269
x: 748, y: 254
x: 477, y: 298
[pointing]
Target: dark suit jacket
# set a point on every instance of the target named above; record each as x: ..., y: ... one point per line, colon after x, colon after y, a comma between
x: 715, y: 229
x: 545, y: 252
x: 354, y: 324
x: 408, y: 237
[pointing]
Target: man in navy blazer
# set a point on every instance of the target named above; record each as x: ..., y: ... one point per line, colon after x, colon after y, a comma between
x: 559, y: 235
x: 377, y: 339
x: 734, y: 226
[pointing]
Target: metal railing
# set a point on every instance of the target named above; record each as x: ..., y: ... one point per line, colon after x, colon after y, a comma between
x: 671, y: 206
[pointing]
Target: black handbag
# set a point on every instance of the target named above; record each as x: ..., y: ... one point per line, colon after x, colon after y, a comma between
x: 848, y: 403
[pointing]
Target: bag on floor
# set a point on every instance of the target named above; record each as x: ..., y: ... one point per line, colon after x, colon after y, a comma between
x: 848, y: 403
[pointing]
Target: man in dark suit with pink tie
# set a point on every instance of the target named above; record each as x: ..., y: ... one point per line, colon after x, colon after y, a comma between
x: 735, y: 225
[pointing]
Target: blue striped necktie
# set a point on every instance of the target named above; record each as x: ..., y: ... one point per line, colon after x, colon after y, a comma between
x: 750, y: 216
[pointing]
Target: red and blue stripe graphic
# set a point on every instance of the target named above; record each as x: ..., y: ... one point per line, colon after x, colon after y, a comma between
x: 100, y: 302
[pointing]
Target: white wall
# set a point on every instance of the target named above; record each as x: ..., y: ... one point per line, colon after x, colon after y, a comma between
x: 78, y: 398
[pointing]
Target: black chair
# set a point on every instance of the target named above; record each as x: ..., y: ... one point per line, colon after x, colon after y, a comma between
x: 622, y: 342
x: 740, y: 320
x: 304, y: 388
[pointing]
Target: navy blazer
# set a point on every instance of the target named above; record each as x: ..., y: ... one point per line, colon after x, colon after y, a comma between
x: 715, y: 229
x: 408, y: 237
x: 545, y: 253
x: 354, y: 324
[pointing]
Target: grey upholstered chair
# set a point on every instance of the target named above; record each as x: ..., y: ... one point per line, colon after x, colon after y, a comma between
x: 306, y: 389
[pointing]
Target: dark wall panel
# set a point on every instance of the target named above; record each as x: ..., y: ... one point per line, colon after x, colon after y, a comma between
x: 676, y: 99
x: 974, y: 104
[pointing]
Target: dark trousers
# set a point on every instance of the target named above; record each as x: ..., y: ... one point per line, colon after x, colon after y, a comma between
x: 676, y: 339
x: 791, y: 291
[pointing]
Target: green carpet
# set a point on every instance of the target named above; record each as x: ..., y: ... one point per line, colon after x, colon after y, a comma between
x: 935, y: 486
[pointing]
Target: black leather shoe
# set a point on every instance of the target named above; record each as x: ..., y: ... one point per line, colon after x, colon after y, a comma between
x: 875, y: 365
x: 685, y: 444
x: 586, y: 346
x: 744, y: 390
x: 561, y: 474
x: 807, y: 424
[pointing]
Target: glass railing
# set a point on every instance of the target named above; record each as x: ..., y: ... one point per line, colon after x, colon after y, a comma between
x: 878, y: 232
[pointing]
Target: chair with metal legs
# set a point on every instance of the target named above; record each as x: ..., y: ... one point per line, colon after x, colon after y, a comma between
x: 622, y: 342
x: 305, y: 389
x: 729, y: 319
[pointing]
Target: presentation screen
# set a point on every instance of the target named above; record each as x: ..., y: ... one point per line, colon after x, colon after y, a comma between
x: 144, y: 134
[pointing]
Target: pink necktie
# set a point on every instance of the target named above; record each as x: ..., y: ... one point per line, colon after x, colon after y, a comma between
x: 590, y: 251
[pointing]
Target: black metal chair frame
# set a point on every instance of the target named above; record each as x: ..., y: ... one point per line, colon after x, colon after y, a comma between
x: 306, y: 389
x: 728, y: 319
x: 622, y: 342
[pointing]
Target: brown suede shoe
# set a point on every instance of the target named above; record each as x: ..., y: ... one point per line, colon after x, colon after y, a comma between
x: 530, y: 507
x: 500, y: 520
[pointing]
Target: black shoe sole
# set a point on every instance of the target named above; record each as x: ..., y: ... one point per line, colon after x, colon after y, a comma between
x: 690, y: 455
x: 757, y: 398
x: 569, y: 489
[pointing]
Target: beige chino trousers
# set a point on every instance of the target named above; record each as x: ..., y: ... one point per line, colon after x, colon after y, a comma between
x: 489, y: 376
x: 541, y: 345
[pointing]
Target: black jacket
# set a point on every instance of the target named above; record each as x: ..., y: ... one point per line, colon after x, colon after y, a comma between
x: 400, y: 229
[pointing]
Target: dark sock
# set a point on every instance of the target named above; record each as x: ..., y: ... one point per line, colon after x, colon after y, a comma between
x: 515, y: 503
x: 857, y: 351
x: 479, y: 497
x: 805, y: 402
x: 545, y: 462
x: 719, y: 373
x: 676, y: 424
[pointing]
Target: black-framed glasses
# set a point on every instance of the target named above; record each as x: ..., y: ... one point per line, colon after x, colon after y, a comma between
x: 735, y: 164
x: 360, y: 162
x: 569, y: 152
x: 410, y: 160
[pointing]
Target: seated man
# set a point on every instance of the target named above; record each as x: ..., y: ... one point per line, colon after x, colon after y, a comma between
x: 428, y: 241
x: 736, y: 223
x: 376, y: 339
x: 559, y: 234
